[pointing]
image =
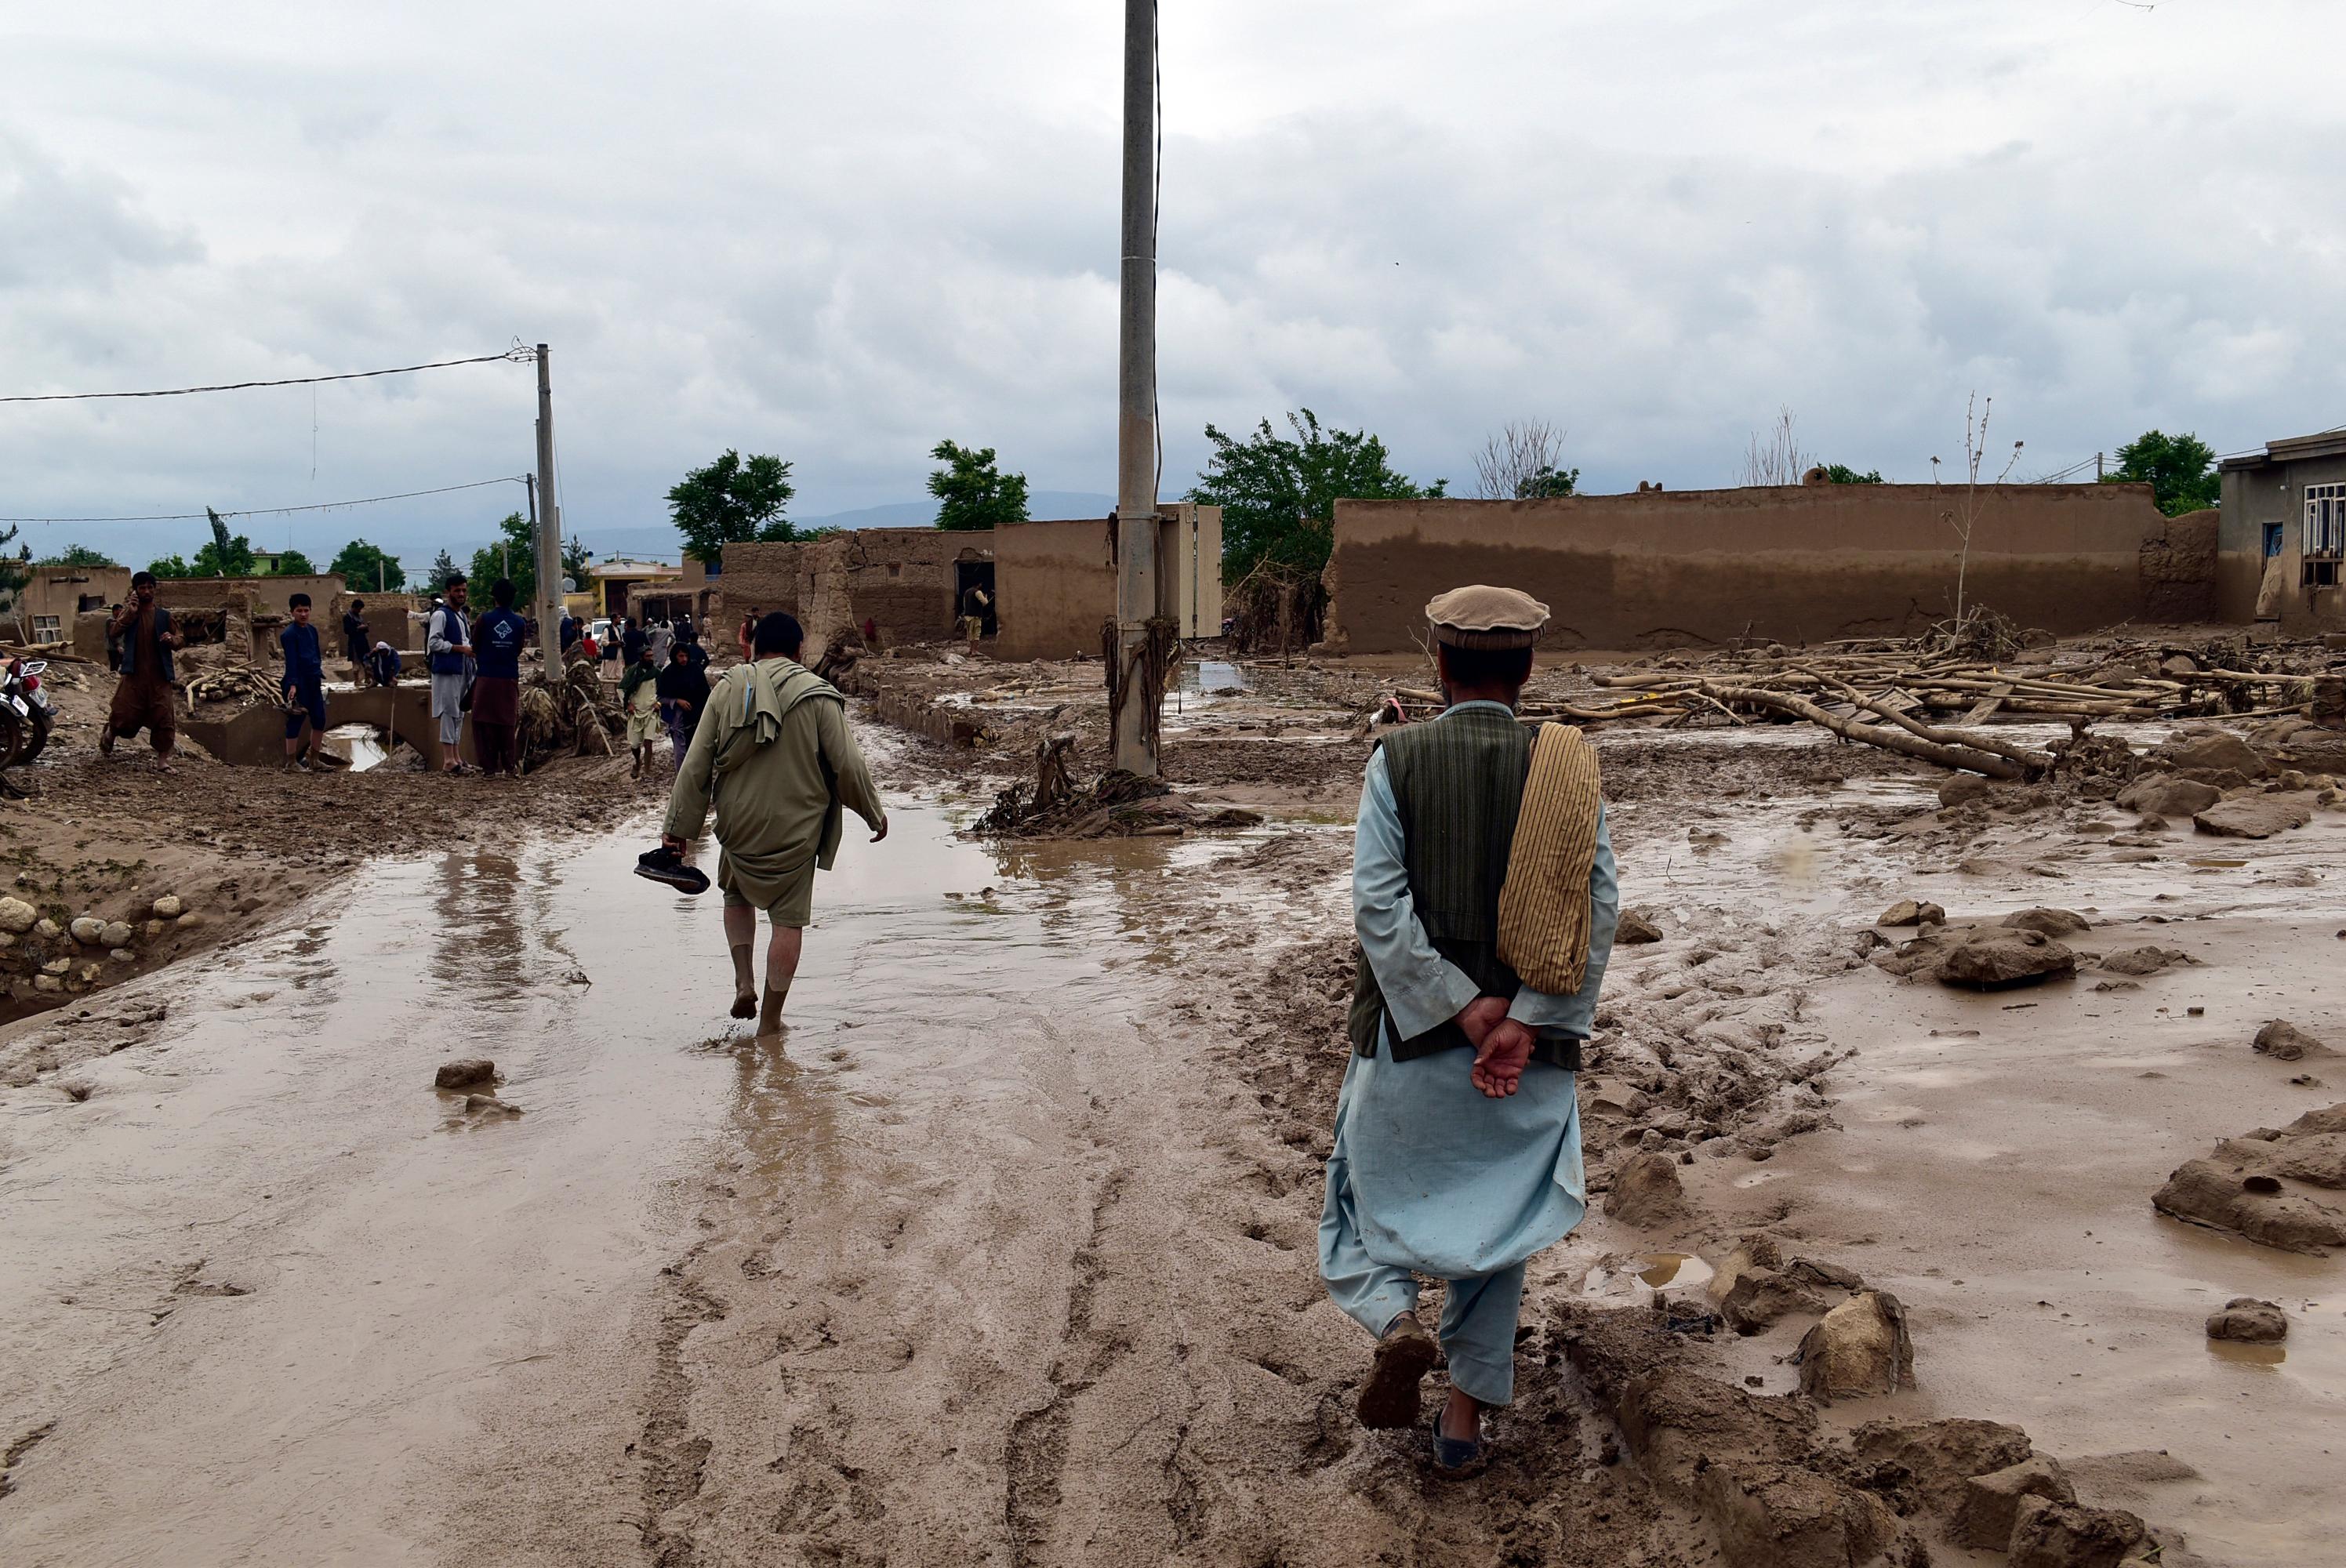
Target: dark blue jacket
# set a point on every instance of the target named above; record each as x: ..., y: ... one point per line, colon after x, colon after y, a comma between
x: 453, y: 629
x: 305, y: 660
x: 130, y: 644
x: 498, y: 638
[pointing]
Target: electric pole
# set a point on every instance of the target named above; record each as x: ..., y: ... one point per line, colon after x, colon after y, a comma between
x: 549, y: 532
x: 1135, y: 438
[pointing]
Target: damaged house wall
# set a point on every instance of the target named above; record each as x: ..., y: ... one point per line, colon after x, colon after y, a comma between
x: 902, y: 579
x: 1792, y: 563
x: 1057, y: 586
x: 2283, y: 555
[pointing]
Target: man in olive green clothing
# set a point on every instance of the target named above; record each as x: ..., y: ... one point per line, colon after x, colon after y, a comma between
x: 772, y: 751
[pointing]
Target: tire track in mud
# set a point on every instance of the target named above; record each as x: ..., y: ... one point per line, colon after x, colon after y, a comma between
x: 1035, y: 1456
x: 674, y: 1461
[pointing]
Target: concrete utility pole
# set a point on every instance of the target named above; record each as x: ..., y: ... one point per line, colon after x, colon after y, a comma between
x: 1135, y: 437
x: 549, y: 532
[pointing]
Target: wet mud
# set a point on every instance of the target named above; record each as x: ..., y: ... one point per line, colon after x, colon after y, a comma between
x: 1004, y: 1253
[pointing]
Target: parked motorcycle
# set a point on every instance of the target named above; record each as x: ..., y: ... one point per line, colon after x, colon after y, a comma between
x: 25, y: 715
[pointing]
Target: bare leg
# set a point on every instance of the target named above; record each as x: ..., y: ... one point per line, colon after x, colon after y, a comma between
x: 1461, y: 1417
x: 740, y: 931
x: 781, y: 966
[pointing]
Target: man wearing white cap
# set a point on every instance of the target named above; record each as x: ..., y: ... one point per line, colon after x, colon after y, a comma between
x: 1484, y: 899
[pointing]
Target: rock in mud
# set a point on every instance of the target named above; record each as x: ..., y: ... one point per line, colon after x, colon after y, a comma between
x: 1635, y: 928
x: 2254, y: 817
x: 2249, y: 1321
x: 48, y: 930
x: 117, y: 933
x: 2048, y: 1535
x: 464, y: 1072
x: 2252, y: 1205
x: 87, y: 930
x: 2142, y: 960
x: 167, y: 907
x: 2165, y: 795
x: 2285, y: 1042
x: 1761, y: 1297
x: 2329, y: 1119
x: 2046, y: 923
x: 1817, y: 1271
x: 2209, y: 751
x: 1926, y: 1466
x: 1646, y: 1191
x: 1788, y: 1516
x: 1962, y: 789
x: 16, y: 916
x: 1996, y: 961
x: 491, y: 1105
x: 1990, y: 1502
x: 1861, y: 1347
x: 1906, y: 911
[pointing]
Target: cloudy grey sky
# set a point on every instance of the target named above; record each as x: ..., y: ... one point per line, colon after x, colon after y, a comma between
x: 840, y: 231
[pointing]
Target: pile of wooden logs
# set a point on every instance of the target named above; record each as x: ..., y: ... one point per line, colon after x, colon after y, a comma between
x: 1901, y: 698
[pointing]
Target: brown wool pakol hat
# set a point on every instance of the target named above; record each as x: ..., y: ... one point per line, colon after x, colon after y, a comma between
x: 1482, y: 616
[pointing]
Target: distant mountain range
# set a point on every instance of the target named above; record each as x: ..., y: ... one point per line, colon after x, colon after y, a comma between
x: 415, y: 541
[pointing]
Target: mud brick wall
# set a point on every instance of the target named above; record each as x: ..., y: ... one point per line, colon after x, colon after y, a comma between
x: 754, y: 576
x: 1801, y: 563
x: 902, y: 579
x: 1054, y: 586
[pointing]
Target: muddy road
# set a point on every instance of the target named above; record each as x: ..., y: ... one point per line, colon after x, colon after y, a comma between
x: 1005, y: 1254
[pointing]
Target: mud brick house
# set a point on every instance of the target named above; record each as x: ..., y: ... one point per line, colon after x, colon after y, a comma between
x: 908, y: 582
x: 2282, y: 550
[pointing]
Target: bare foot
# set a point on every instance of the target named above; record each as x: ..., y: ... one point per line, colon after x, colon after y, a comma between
x: 745, y: 1005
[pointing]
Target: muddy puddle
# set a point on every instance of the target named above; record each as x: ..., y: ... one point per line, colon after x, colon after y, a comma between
x: 263, y: 1246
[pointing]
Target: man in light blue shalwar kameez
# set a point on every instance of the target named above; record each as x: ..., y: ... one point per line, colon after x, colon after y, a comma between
x: 1457, y: 1139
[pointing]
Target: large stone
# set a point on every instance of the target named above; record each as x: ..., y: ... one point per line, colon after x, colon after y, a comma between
x: 1761, y: 1297
x: 2329, y: 1119
x: 2250, y: 1203
x: 2165, y: 795
x: 2249, y: 1321
x: 465, y: 1071
x: 16, y: 916
x: 1635, y: 928
x: 1646, y: 1191
x: 1861, y: 1347
x: 2285, y: 1042
x: 88, y: 931
x: 116, y: 934
x: 168, y: 907
x: 2209, y: 751
x: 1962, y: 789
x: 1932, y: 1461
x: 1790, y: 1516
x: 1907, y: 912
x: 2254, y: 816
x: 2046, y: 923
x: 1990, y: 1502
x: 2048, y: 1535
x: 48, y: 930
x: 1997, y: 960
x: 2317, y: 1159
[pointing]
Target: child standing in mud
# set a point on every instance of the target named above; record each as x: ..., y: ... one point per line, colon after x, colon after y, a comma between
x: 1485, y: 902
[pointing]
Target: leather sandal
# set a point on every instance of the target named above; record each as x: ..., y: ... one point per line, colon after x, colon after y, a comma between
x: 1394, y: 1397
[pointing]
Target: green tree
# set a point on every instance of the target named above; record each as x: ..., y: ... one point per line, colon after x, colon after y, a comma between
x: 225, y: 555
x: 1842, y: 474
x: 2179, y: 469
x: 11, y: 568
x: 444, y: 567
x: 1547, y: 483
x: 971, y: 491
x: 78, y: 556
x: 293, y: 564
x: 576, y: 560
x: 1279, y: 496
x: 730, y: 501
x: 171, y: 565
x: 368, y: 569
x: 515, y: 556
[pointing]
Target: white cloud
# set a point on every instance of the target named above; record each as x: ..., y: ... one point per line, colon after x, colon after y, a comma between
x: 842, y: 232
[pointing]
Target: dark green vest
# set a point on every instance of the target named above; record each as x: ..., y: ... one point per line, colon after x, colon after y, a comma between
x: 1459, y: 783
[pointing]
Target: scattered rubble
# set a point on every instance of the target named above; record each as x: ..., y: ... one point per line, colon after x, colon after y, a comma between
x: 2285, y: 1042
x: 1861, y: 1347
x: 1906, y: 911
x: 2255, y: 815
x: 1647, y: 1192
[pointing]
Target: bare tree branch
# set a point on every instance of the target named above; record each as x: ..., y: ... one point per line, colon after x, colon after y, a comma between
x: 1525, y: 461
x: 1775, y: 456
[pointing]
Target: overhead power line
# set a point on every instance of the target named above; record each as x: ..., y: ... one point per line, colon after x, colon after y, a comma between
x: 280, y: 511
x: 516, y: 354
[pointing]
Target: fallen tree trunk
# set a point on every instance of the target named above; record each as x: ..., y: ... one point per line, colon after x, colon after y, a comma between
x: 1946, y: 755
